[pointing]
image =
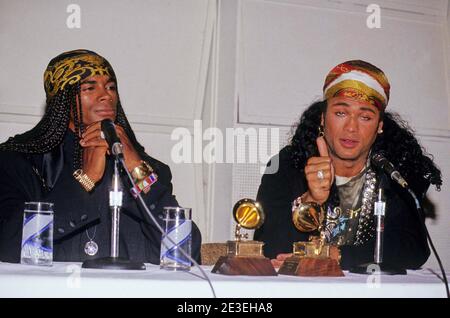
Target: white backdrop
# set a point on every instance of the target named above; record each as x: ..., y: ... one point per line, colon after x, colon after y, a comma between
x: 233, y: 63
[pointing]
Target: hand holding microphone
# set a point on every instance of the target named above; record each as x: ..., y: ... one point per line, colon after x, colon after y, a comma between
x: 95, y: 149
x: 105, y: 137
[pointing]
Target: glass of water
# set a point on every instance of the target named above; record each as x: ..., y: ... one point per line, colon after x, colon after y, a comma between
x: 37, y: 234
x: 178, y: 227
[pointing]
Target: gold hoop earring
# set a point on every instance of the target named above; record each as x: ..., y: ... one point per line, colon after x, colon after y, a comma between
x: 321, y: 133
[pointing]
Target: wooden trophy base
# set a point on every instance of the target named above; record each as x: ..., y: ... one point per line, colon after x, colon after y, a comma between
x: 310, y: 266
x: 244, y: 265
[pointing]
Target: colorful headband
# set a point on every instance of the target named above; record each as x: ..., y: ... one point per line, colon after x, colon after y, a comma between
x: 71, y: 67
x: 358, y: 80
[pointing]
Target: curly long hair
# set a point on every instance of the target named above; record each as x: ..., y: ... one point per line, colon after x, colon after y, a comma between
x: 397, y: 142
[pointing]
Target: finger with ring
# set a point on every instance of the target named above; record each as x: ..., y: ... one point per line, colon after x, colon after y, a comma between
x: 320, y: 175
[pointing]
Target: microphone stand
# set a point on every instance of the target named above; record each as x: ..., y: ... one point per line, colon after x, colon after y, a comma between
x: 377, y: 267
x: 379, y: 212
x: 115, y: 203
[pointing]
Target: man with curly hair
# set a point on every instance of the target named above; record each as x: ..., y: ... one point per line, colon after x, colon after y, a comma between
x: 65, y: 160
x: 327, y: 167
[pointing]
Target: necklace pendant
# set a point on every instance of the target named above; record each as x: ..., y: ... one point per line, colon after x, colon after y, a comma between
x: 91, y: 248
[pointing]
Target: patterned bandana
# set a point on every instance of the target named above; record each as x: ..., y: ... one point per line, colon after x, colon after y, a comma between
x: 71, y: 67
x: 358, y: 80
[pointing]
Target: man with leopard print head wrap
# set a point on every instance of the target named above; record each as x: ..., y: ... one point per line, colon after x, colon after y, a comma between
x: 65, y: 160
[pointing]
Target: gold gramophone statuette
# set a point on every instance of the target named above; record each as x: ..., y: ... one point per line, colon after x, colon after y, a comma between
x: 310, y: 258
x: 248, y: 214
x: 309, y: 217
x: 245, y: 257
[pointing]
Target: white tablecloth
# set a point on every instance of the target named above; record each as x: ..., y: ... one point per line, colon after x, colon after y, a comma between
x: 70, y: 280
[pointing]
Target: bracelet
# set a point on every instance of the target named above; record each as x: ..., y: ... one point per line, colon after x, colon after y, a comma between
x: 141, y: 172
x: 144, y: 185
x: 84, y: 180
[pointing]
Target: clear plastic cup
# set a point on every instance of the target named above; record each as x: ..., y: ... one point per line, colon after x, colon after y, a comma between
x: 178, y: 227
x: 37, y: 234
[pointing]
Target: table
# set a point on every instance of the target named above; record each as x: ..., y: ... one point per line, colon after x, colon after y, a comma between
x: 67, y: 280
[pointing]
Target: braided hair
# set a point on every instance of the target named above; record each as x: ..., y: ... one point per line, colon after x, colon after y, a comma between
x: 61, y: 106
x: 49, y: 131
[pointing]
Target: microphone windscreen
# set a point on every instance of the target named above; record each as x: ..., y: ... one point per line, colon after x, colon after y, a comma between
x: 380, y: 162
x: 109, y: 131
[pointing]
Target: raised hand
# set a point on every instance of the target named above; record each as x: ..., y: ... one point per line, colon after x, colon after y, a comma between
x: 96, y: 148
x: 94, y: 152
x: 319, y: 173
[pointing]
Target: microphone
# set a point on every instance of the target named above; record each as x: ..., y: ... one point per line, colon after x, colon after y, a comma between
x: 109, y: 130
x: 380, y: 161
